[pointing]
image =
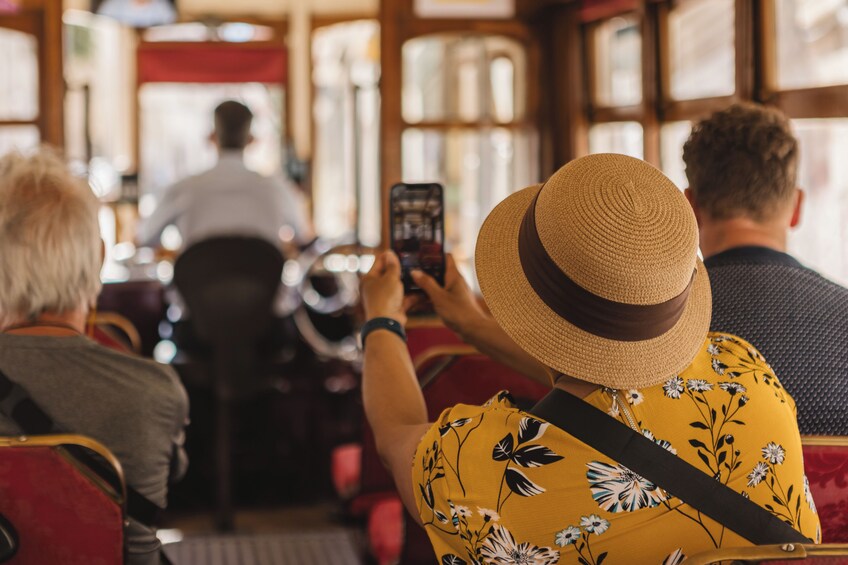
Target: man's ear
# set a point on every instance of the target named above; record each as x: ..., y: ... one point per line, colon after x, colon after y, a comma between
x: 796, y: 208
x: 213, y: 138
x: 250, y: 139
x: 690, y: 196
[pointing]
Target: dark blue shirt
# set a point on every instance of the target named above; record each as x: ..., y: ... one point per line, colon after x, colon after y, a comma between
x: 797, y: 319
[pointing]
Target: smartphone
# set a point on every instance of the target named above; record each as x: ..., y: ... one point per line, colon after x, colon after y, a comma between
x: 418, y: 230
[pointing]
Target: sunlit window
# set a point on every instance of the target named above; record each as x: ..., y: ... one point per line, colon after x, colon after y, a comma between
x: 821, y: 240
x: 672, y: 137
x: 812, y: 42
x: 346, y: 114
x: 18, y: 75
x: 617, y: 137
x: 702, y: 51
x: 463, y: 78
x: 617, y: 45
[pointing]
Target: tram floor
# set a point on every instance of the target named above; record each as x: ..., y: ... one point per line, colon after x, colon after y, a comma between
x: 304, y: 534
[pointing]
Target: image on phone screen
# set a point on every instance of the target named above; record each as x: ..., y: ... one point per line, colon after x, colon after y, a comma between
x: 418, y: 230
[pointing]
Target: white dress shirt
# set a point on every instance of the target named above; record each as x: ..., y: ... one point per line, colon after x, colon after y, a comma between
x: 228, y: 199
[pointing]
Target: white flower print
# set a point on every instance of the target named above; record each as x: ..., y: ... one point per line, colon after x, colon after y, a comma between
x: 673, y: 387
x: 594, y: 524
x: 675, y: 557
x: 713, y: 349
x: 618, y: 489
x: 568, y: 536
x: 732, y: 388
x: 809, y: 496
x: 634, y: 397
x: 500, y: 548
x: 774, y: 453
x: 718, y: 367
x: 698, y: 385
x: 461, y: 511
x: 488, y: 515
x: 757, y: 474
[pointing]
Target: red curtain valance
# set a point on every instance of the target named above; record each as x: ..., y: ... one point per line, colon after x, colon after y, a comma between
x: 211, y: 62
x: 594, y: 10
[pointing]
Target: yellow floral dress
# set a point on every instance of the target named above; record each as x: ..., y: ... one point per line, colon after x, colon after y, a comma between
x: 497, y: 485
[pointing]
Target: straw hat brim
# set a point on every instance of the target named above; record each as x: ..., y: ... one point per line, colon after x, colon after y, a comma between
x: 563, y: 346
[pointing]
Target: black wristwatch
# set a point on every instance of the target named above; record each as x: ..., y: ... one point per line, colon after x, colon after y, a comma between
x: 381, y: 324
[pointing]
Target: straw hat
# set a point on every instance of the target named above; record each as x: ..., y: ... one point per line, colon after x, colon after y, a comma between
x: 602, y: 282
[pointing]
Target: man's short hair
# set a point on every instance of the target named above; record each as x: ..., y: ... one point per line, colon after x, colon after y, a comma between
x: 742, y: 161
x: 50, y: 247
x: 232, y: 125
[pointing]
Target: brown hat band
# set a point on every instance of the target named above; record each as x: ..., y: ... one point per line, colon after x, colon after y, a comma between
x: 589, y: 312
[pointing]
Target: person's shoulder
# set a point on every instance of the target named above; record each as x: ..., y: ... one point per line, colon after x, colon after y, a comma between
x: 159, y: 380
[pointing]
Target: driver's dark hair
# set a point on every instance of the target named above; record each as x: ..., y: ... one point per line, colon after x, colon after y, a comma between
x: 742, y: 161
x: 232, y: 124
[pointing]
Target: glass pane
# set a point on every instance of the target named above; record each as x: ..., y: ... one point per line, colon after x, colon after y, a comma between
x: 701, y: 41
x: 618, y: 62
x: 478, y: 168
x: 346, y: 112
x: 812, y: 42
x: 672, y: 137
x: 617, y: 137
x: 463, y: 78
x: 18, y: 76
x: 18, y: 138
x: 821, y: 240
x: 176, y: 120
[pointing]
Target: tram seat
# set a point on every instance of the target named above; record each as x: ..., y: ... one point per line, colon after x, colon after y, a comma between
x: 142, y: 302
x: 449, y: 375
x: 229, y: 285
x: 55, y: 507
x: 116, y: 332
x: 373, y: 480
x: 826, y: 467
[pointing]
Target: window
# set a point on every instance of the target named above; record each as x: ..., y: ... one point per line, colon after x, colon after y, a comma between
x: 464, y: 106
x: 821, y: 239
x: 18, y: 91
x: 617, y: 51
x: 811, y: 42
x: 701, y: 49
x: 672, y: 137
x: 346, y: 114
x: 617, y: 137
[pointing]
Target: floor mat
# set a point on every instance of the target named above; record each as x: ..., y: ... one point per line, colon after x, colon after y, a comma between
x: 330, y: 547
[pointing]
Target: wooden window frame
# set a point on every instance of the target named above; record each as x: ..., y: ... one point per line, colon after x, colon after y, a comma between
x: 43, y: 20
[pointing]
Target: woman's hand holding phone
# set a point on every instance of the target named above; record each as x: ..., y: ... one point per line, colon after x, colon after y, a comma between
x: 454, y: 303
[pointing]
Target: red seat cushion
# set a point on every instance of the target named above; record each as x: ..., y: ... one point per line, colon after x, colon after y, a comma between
x: 827, y: 470
x: 59, y: 514
x: 347, y: 469
x: 385, y: 530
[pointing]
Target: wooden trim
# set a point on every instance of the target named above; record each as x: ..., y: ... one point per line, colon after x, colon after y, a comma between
x: 618, y: 114
x: 588, y: 39
x: 824, y: 102
x: 825, y: 441
x: 650, y: 84
x: 691, y: 109
x: 123, y: 324
x: 767, y: 49
x: 663, y: 60
x: 458, y: 124
x: 430, y: 321
x: 392, y: 35
x: 510, y: 28
x: 8, y: 123
x: 745, y: 47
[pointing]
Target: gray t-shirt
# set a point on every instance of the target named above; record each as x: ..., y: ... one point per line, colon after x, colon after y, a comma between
x: 135, y: 407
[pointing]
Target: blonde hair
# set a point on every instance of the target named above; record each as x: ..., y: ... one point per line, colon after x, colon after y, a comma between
x: 50, y: 254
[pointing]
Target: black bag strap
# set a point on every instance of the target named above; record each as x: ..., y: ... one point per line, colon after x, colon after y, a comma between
x: 16, y: 404
x: 666, y: 470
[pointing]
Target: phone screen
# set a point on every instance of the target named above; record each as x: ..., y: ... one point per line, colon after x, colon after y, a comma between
x: 418, y: 230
